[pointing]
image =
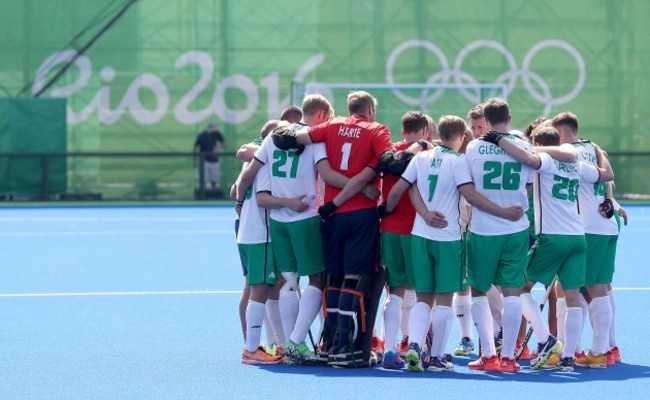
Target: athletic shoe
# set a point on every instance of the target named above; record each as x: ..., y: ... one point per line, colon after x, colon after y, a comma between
x: 270, y: 350
x: 592, y: 361
x: 609, y: 357
x: 552, y: 362
x: 545, y: 350
x: 509, y: 365
x: 465, y: 347
x: 567, y: 364
x: 498, y: 341
x: 616, y: 354
x: 485, y: 364
x: 393, y: 361
x: 416, y: 359
x: 377, y: 346
x: 259, y: 356
x: 299, y: 353
x: 525, y: 354
x: 403, y: 346
x: 579, y: 355
x: 438, y: 365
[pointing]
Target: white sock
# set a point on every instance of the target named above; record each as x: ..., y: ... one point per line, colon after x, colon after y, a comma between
x: 310, y: 303
x: 560, y: 315
x: 289, y: 306
x: 408, y: 302
x: 254, y: 319
x: 495, y: 298
x: 392, y: 318
x: 511, y: 322
x: 531, y: 311
x: 270, y: 336
x: 612, y: 329
x: 443, y: 319
x: 273, y: 313
x: 462, y: 308
x: 600, y: 310
x: 571, y: 329
x: 483, y: 321
x: 584, y: 306
x: 419, y: 323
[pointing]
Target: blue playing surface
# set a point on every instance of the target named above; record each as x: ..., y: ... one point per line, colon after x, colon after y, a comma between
x: 141, y: 303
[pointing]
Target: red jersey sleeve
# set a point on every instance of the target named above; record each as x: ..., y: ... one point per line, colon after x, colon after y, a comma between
x: 318, y: 133
x: 381, y: 143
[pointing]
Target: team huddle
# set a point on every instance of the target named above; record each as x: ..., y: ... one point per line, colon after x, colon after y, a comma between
x: 461, y: 225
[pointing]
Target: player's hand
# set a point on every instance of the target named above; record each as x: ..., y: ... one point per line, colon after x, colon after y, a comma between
x: 606, y: 208
x: 296, y: 204
x: 435, y: 219
x: 372, y: 192
x: 238, y: 207
x: 326, y: 210
x: 492, y: 137
x: 284, y: 138
x: 382, y: 210
x: 513, y: 213
x: 623, y: 214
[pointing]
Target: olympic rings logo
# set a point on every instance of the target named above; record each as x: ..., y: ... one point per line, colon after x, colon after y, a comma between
x: 455, y: 75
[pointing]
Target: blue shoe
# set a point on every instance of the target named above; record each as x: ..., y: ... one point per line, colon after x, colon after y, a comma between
x: 393, y: 361
x: 438, y: 365
x: 546, y: 350
x: 465, y: 347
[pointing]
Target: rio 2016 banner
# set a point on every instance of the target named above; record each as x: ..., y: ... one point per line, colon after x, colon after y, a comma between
x: 167, y: 69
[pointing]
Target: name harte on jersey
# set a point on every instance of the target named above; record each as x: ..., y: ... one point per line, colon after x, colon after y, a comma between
x: 349, y: 132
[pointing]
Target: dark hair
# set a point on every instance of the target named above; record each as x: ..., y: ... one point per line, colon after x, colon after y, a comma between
x: 292, y: 114
x: 413, y: 121
x: 546, y: 136
x: 451, y: 126
x: 567, y: 119
x: 534, y: 124
x: 496, y: 111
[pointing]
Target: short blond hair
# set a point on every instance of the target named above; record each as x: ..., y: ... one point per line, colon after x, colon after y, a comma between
x: 476, y: 112
x: 359, y: 102
x: 313, y: 103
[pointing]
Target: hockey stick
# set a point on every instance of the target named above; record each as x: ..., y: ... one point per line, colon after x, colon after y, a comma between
x: 529, y: 333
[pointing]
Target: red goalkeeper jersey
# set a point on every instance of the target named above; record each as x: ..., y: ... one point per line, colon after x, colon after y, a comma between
x: 352, y: 144
x: 400, y: 221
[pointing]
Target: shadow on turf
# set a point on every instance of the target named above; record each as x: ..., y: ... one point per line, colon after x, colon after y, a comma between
x: 619, y: 372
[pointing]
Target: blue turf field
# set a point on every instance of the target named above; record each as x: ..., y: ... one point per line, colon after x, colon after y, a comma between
x: 141, y: 303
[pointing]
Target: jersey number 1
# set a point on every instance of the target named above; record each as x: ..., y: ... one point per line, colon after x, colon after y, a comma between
x: 347, y: 147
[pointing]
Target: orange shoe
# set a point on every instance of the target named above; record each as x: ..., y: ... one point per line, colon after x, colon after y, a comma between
x: 592, y: 361
x: 509, y: 365
x: 485, y: 364
x: 616, y: 354
x: 525, y: 354
x: 259, y: 357
x: 403, y: 346
x: 377, y: 346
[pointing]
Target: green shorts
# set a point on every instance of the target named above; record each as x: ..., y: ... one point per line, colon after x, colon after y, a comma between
x: 437, y: 266
x: 258, y: 258
x: 298, y: 246
x: 498, y: 260
x: 601, y: 257
x: 396, y: 258
x: 564, y: 255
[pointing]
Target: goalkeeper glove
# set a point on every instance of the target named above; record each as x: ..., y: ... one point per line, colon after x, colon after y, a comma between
x: 492, y: 137
x: 327, y: 209
x: 284, y: 138
x: 606, y: 208
x: 382, y: 210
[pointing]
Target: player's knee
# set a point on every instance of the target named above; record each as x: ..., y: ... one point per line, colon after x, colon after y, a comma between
x: 289, y: 282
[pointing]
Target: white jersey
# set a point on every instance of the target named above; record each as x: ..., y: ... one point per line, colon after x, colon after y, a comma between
x: 556, y: 195
x: 290, y: 175
x: 438, y: 173
x: 253, y: 221
x: 591, y: 196
x: 465, y: 212
x: 502, y: 180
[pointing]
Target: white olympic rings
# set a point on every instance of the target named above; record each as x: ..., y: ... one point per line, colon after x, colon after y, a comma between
x: 540, y: 91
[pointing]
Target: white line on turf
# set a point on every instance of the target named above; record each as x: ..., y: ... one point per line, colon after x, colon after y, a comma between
x: 155, y: 293
x: 120, y: 233
x: 198, y: 292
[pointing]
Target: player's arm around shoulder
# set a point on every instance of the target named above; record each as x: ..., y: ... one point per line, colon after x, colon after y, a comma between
x: 564, y: 153
x: 529, y: 159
